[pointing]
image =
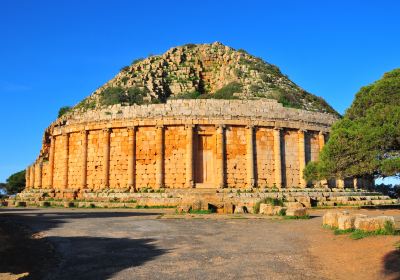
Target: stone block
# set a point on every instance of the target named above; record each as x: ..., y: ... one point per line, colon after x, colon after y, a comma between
x: 304, y: 200
x: 330, y: 218
x: 296, y: 212
x: 347, y: 221
x: 270, y: 210
x: 373, y: 223
x: 293, y: 204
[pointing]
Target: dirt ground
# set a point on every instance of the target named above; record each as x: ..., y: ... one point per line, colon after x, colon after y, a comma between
x: 156, y: 244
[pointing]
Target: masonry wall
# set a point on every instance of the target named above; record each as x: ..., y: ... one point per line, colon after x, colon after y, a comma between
x: 164, y: 149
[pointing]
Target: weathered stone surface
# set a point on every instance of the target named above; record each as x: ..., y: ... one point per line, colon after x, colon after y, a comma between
x: 183, y: 209
x: 304, y: 200
x: 296, y: 212
x: 373, y: 223
x: 331, y: 218
x: 267, y: 209
x: 347, y: 221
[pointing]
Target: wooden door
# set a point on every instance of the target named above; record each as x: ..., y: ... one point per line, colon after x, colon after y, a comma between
x: 204, y: 161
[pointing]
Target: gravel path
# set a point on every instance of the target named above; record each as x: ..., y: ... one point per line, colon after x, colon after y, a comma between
x: 144, y: 244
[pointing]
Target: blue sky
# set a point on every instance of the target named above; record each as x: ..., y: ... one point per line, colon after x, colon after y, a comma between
x: 54, y: 53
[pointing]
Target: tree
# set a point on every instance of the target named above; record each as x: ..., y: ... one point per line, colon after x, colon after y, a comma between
x: 366, y: 141
x: 63, y: 110
x: 16, y: 182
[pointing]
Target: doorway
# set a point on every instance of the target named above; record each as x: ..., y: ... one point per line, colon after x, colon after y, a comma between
x: 204, y: 168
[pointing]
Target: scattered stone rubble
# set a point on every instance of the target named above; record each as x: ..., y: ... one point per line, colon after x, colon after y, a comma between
x: 345, y: 220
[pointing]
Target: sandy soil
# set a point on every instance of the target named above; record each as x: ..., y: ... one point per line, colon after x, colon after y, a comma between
x: 152, y: 244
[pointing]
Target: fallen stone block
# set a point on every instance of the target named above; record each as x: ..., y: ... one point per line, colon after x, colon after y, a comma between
x: 183, y: 209
x: 373, y: 223
x: 304, y: 200
x: 293, y: 204
x: 346, y: 222
x: 270, y: 210
x: 296, y: 212
x: 330, y: 218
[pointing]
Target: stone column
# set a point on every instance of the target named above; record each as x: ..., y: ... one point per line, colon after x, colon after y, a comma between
x: 84, y: 135
x: 131, y: 157
x: 39, y: 175
x: 106, y: 157
x: 321, y: 140
x: 220, y: 156
x: 250, y: 156
x: 66, y: 156
x: 160, y: 156
x: 189, y: 156
x: 27, y: 177
x: 321, y: 143
x: 51, y: 161
x: 278, y: 157
x: 32, y: 176
x: 302, y: 157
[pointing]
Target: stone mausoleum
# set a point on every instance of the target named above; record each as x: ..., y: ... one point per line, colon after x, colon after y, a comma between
x: 199, y: 120
x: 188, y: 144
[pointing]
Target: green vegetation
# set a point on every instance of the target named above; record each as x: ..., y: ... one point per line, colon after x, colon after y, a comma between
x: 200, y: 211
x: 355, y: 234
x: 153, y: 206
x: 226, y: 92
x: 63, y: 110
x: 119, y: 95
x: 305, y: 217
x: 365, y: 143
x: 15, y: 183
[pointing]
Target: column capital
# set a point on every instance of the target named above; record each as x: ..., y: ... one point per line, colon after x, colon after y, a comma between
x: 278, y: 128
x: 250, y: 126
x: 220, y: 127
x: 159, y: 126
x: 322, y: 132
x: 83, y: 132
x: 190, y: 126
x: 302, y: 130
x: 131, y: 128
x: 107, y: 129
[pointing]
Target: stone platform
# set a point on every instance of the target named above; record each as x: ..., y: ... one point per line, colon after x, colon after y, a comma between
x: 215, y: 198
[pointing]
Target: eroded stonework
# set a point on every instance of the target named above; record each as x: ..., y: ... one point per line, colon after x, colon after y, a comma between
x: 201, y: 143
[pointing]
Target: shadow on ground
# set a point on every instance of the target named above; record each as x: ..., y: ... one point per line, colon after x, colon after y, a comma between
x: 83, y: 257
x: 391, y: 264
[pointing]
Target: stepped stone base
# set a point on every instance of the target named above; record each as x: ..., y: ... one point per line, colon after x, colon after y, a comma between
x: 214, y: 198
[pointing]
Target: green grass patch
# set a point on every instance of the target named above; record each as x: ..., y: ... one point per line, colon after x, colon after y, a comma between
x: 153, y: 207
x: 337, y: 231
x: 356, y: 234
x: 200, y: 211
x: 305, y: 217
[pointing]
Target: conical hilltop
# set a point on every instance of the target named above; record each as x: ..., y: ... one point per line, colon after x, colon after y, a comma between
x: 201, y: 71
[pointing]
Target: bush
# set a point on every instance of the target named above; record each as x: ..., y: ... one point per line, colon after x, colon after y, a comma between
x: 63, y: 110
x: 119, y: 95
